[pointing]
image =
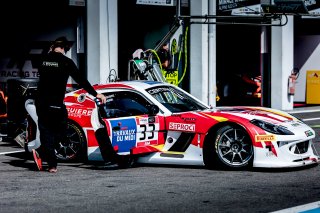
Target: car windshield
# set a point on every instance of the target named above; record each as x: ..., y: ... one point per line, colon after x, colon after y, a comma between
x: 175, y: 100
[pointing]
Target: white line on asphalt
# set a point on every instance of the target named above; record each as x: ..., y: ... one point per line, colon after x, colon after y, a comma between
x: 304, y: 111
x: 310, y: 207
x: 5, y: 153
x: 310, y: 119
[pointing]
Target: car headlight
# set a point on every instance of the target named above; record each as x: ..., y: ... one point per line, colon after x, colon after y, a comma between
x: 269, y: 127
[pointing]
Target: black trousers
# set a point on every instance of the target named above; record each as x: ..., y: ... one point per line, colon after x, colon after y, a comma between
x: 52, y: 121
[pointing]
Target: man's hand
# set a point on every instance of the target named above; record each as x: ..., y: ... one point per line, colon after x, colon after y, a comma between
x: 102, y: 97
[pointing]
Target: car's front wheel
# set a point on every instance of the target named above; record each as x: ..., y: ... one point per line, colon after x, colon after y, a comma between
x: 231, y: 149
x: 73, y: 146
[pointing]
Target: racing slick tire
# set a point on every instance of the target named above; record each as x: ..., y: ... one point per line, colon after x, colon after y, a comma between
x: 231, y: 149
x: 74, y: 146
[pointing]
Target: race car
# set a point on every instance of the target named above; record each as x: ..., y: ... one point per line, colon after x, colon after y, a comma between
x: 160, y: 123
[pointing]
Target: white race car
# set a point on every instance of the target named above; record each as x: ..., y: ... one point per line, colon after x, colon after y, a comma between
x: 159, y: 123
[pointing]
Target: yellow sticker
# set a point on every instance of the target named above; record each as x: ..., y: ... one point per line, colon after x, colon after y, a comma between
x: 217, y: 118
x: 260, y: 138
x: 171, y: 77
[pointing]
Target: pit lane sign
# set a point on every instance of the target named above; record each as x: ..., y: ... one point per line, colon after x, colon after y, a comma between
x: 238, y: 7
x: 162, y: 2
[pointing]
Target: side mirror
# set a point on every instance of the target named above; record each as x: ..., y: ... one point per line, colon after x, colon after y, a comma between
x: 153, y: 109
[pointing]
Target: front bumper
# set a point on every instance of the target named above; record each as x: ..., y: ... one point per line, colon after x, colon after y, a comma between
x: 282, y: 154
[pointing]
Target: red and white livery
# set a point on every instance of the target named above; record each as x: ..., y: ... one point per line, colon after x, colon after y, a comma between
x: 160, y: 123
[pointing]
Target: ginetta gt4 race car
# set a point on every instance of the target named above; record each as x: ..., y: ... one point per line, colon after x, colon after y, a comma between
x: 160, y: 123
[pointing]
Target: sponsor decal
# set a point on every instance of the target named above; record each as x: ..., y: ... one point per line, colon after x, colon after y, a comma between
x: 258, y: 112
x: 188, y: 119
x: 81, y: 98
x: 308, y: 133
x: 143, y: 120
x: 124, y: 133
x: 147, y: 143
x: 147, y: 132
x: 260, y: 138
x: 78, y: 112
x: 50, y: 64
x: 295, y: 124
x: 158, y: 90
x: 182, y: 127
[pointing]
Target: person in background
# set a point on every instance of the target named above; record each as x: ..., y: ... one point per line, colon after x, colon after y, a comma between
x: 165, y: 56
x: 54, y: 70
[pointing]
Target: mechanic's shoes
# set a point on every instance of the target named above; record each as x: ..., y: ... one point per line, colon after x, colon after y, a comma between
x: 37, y: 159
x: 53, y: 170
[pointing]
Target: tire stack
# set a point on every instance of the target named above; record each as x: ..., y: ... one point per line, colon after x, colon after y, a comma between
x: 18, y: 90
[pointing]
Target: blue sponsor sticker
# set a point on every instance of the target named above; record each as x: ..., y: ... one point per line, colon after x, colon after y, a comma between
x: 124, y: 134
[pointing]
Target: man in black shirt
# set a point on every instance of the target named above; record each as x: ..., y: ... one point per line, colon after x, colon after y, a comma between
x: 164, y: 56
x: 54, y: 71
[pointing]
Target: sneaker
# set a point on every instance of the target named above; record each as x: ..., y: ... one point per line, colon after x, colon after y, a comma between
x: 37, y: 159
x: 53, y: 170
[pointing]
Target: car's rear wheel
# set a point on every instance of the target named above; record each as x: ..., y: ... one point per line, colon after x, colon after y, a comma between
x: 231, y: 149
x: 73, y: 146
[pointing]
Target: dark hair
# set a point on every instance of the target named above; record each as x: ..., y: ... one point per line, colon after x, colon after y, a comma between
x: 62, y: 42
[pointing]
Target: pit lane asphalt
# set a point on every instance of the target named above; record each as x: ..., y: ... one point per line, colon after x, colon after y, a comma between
x: 81, y: 187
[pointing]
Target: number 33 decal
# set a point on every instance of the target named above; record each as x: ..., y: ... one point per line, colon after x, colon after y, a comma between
x: 147, y: 131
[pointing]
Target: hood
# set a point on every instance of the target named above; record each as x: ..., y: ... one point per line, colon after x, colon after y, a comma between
x: 272, y: 116
x: 262, y: 113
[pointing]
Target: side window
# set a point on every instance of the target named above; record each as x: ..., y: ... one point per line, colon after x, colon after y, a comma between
x: 121, y: 104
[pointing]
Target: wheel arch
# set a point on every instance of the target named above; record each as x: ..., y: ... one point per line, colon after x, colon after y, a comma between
x: 208, y: 142
x: 214, y: 129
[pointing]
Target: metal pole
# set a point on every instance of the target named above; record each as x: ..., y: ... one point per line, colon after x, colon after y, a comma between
x: 212, y: 57
x: 265, y: 67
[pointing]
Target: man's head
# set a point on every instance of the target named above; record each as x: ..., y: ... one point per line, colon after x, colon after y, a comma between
x: 62, y: 42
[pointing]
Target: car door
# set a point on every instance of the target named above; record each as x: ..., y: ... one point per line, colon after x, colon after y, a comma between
x: 129, y: 123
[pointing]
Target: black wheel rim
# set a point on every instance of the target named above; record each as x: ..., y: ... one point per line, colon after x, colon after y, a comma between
x: 69, y: 147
